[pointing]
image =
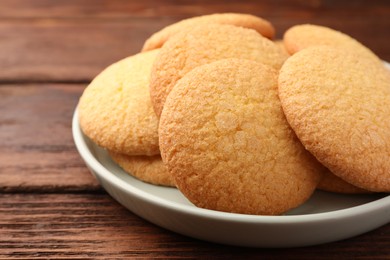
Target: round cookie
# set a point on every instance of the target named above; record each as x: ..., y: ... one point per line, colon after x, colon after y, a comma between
x: 262, y: 26
x: 115, y: 110
x: 205, y: 44
x: 225, y: 140
x: 303, y: 36
x: 332, y: 183
x: 149, y: 169
x: 338, y: 104
x: 281, y: 45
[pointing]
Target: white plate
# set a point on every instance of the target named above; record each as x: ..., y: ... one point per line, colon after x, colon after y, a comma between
x: 325, y: 217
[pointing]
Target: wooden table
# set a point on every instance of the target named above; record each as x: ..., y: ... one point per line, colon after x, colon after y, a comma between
x: 50, y: 205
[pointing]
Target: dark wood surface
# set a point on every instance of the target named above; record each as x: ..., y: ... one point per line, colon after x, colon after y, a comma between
x: 50, y: 205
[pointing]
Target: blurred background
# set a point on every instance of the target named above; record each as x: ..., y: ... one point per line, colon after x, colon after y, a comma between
x: 72, y: 40
x: 50, y: 204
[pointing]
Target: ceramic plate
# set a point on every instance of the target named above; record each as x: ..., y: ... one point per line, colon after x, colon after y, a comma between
x: 325, y: 217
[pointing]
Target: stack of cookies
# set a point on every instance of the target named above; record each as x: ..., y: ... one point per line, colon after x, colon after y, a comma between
x: 240, y: 123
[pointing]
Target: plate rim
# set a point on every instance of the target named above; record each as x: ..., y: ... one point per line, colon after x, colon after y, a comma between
x: 95, y: 164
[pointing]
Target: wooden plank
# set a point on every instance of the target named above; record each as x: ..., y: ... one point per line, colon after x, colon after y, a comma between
x: 70, y: 51
x: 92, y: 226
x: 164, y: 8
x: 70, y: 41
x: 37, y: 150
x: 40, y: 43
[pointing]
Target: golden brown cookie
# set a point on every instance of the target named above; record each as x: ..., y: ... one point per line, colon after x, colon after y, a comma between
x: 281, y: 45
x: 146, y: 168
x: 261, y: 25
x: 224, y: 138
x: 338, y: 104
x: 204, y: 44
x: 332, y: 183
x: 115, y: 110
x: 303, y: 36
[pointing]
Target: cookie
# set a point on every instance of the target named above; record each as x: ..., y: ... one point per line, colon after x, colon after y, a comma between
x: 281, y: 45
x: 332, y: 183
x: 149, y: 169
x: 205, y: 44
x: 303, y: 36
x: 338, y: 104
x: 225, y: 140
x: 262, y: 26
x: 115, y: 110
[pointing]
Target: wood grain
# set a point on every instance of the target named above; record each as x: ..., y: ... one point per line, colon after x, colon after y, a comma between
x: 50, y: 205
x: 71, y: 41
x: 165, y: 8
x: 71, y: 225
x: 64, y: 51
x: 37, y: 150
